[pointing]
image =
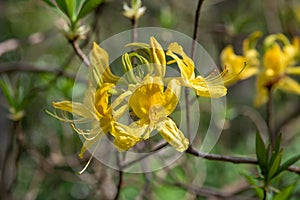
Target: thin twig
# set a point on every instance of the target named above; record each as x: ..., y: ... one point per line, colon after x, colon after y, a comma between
x: 120, y: 178
x: 196, y: 31
x: 129, y: 163
x: 187, y: 91
x: 232, y: 159
x: 134, y: 23
x: 79, y: 52
x: 237, y: 160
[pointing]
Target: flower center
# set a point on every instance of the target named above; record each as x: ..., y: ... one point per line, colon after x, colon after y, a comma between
x: 157, y: 113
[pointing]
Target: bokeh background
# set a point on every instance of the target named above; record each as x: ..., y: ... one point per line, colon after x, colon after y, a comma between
x: 38, y: 65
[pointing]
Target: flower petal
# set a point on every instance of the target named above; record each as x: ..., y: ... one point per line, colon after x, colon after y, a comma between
x: 293, y: 70
x: 171, y: 96
x: 148, y: 94
x: 206, y: 89
x: 100, y: 64
x: 173, y: 135
x: 158, y: 57
x: 288, y: 85
x: 74, y: 108
x: 125, y: 137
x: 261, y: 90
x: 186, y: 64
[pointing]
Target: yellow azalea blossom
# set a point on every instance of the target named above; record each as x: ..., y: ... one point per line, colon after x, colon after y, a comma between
x: 210, y: 86
x: 241, y: 67
x: 97, y: 110
x: 152, y: 105
x: 278, y: 64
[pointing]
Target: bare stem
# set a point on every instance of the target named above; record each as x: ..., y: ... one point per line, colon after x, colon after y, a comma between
x: 270, y: 120
x: 195, y: 39
x: 134, y: 24
x: 129, y: 163
x: 79, y: 52
x: 120, y: 178
x: 196, y: 30
x: 232, y: 159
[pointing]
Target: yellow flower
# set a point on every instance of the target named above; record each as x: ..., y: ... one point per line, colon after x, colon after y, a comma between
x: 210, y: 86
x: 241, y: 67
x: 278, y: 63
x: 152, y: 105
x: 97, y: 110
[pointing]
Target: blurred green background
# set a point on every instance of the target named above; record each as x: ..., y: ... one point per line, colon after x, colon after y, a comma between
x: 39, y: 65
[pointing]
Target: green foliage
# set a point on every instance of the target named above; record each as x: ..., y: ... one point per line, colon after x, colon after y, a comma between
x: 270, y: 164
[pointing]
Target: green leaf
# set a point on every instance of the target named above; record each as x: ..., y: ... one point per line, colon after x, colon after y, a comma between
x: 7, y: 90
x: 276, y: 149
x: 275, y: 166
x: 287, y: 163
x: 261, y: 153
x: 87, y: 7
x: 254, y: 182
x: 50, y: 3
x: 285, y: 193
x: 63, y: 6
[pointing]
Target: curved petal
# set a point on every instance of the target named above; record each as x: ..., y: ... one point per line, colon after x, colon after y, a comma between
x: 288, y: 85
x: 148, y: 94
x: 206, y: 89
x: 293, y: 70
x: 275, y: 61
x: 173, y: 135
x: 186, y: 64
x: 101, y: 100
x: 100, y: 63
x: 261, y: 91
x: 74, y: 108
x: 158, y: 57
x: 125, y: 137
x: 171, y: 96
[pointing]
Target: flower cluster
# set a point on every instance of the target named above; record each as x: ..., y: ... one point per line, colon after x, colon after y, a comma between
x: 279, y: 59
x: 146, y: 91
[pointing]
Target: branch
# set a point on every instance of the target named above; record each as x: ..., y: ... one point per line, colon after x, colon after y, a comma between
x: 201, y: 191
x: 196, y: 31
x: 79, y: 52
x: 232, y: 159
x: 270, y: 118
x: 120, y: 178
x: 158, y: 147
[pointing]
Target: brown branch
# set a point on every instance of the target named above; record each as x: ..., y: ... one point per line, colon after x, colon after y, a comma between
x: 158, y: 147
x: 237, y: 160
x: 270, y: 118
x: 120, y: 178
x: 201, y: 191
x: 196, y: 31
x: 232, y: 159
x: 79, y: 52
x: 193, y: 51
